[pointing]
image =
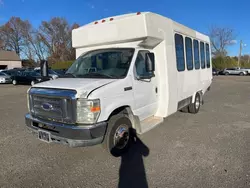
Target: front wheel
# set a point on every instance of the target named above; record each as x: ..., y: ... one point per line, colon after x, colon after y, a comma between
x: 118, y: 135
x: 241, y: 74
x: 226, y: 73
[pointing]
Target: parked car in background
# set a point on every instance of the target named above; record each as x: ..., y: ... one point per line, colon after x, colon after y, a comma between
x: 60, y: 71
x: 234, y: 71
x: 54, y: 75
x: 247, y: 70
x: 26, y: 77
x: 13, y: 72
x: 215, y: 72
x: 5, y: 78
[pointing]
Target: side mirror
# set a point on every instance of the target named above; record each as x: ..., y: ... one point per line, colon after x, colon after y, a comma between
x: 150, y: 62
x: 44, y: 68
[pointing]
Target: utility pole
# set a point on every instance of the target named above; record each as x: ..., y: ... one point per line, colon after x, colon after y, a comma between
x: 240, y: 53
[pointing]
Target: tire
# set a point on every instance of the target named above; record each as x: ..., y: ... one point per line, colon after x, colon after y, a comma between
x: 32, y: 83
x: 114, y: 143
x: 226, y: 73
x: 194, y: 108
x: 185, y: 109
x: 241, y: 74
x: 14, y: 82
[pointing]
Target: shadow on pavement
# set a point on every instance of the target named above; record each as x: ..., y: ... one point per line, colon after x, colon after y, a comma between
x: 132, y: 171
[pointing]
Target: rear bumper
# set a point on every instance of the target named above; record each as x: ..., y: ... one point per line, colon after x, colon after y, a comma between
x: 71, y: 135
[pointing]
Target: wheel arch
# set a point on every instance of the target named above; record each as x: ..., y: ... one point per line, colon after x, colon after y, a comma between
x: 126, y: 109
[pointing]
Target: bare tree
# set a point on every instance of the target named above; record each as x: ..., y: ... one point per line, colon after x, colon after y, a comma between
x: 56, y: 36
x: 221, y: 38
x: 12, y: 33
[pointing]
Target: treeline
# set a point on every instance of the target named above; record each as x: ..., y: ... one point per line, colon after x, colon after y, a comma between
x: 222, y: 62
x: 51, y: 40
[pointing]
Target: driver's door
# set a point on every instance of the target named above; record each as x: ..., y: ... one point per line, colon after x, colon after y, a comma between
x: 145, y: 90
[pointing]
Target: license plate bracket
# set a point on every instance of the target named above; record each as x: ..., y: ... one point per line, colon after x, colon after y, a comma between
x: 44, y: 136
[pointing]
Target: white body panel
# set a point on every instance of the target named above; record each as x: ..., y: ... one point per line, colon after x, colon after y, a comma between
x: 150, y: 32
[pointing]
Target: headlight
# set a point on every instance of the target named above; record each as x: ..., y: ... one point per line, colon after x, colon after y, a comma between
x: 2, y: 79
x: 88, y: 111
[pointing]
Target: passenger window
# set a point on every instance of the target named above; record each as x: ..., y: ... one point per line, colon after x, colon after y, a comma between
x: 140, y: 64
x: 196, y: 55
x: 202, y: 51
x: 179, y: 49
x: 189, y: 53
x: 207, y: 55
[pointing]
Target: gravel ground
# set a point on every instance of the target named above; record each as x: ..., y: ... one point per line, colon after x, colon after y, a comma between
x: 209, y: 149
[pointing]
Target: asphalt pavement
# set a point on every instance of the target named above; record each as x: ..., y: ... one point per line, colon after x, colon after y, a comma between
x: 209, y: 149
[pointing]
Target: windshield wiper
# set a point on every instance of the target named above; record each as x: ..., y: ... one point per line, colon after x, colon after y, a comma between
x: 96, y: 74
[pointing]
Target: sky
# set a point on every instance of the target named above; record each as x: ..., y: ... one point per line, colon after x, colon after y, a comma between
x: 199, y: 15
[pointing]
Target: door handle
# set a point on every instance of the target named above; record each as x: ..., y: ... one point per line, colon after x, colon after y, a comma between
x: 156, y: 90
x: 128, y: 88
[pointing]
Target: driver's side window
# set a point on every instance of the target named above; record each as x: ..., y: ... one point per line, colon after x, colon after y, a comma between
x: 140, y: 64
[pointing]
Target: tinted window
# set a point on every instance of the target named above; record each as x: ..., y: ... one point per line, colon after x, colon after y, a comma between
x: 207, y: 55
x: 140, y: 64
x: 196, y: 55
x: 202, y: 50
x: 189, y: 53
x: 179, y: 49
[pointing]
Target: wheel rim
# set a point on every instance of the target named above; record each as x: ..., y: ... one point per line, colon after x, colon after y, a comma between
x: 14, y: 82
x: 121, y: 137
x: 197, y: 102
x: 32, y: 83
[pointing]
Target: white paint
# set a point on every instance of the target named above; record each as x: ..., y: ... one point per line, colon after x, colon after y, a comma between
x: 147, y: 31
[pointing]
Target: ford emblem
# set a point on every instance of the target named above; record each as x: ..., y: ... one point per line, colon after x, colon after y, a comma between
x: 47, y: 106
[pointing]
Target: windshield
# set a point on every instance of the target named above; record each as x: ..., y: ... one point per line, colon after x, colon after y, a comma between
x: 105, y: 63
x: 2, y: 74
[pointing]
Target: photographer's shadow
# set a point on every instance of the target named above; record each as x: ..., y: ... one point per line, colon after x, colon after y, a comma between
x: 132, y: 171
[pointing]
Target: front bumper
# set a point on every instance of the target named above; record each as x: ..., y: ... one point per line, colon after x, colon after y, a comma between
x: 73, y: 136
x: 5, y: 81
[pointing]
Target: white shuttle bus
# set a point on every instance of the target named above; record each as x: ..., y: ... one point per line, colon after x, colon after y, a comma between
x: 131, y: 72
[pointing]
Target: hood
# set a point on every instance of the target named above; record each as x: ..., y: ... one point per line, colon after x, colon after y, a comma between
x: 4, y: 76
x: 82, y: 86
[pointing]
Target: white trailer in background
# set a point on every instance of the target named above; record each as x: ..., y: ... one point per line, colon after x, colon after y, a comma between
x: 131, y: 72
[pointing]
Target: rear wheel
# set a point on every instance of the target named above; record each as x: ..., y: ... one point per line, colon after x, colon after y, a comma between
x: 194, y: 108
x: 14, y: 82
x: 118, y: 135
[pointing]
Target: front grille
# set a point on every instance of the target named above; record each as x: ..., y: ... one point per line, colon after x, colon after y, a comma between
x: 53, y: 105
